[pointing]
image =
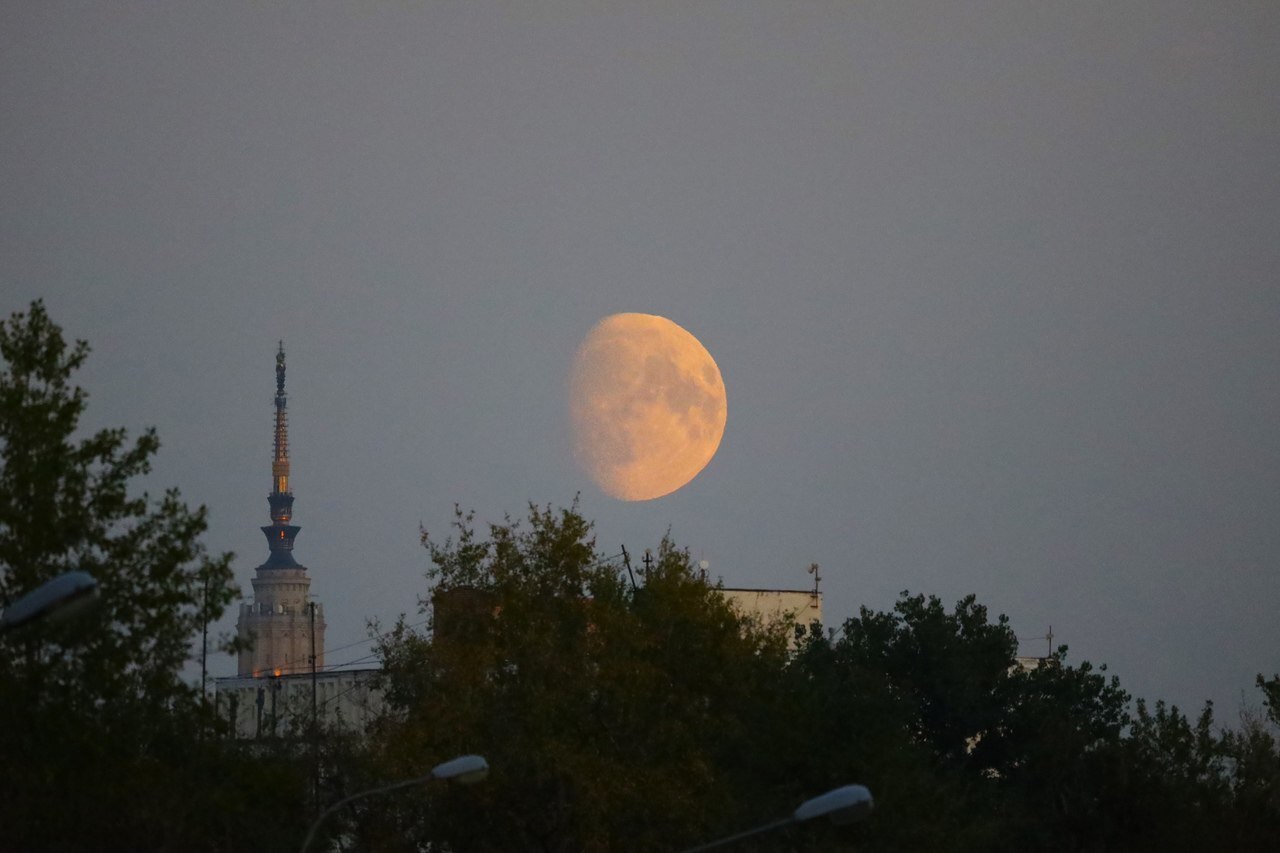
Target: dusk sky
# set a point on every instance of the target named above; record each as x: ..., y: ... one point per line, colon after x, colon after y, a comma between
x: 992, y: 287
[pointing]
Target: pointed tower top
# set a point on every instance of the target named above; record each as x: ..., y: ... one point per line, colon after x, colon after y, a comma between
x: 280, y: 532
x: 280, y: 376
x: 280, y: 457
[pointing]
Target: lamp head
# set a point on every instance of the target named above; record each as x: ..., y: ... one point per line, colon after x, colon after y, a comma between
x: 57, y: 599
x: 465, y: 769
x: 843, y: 805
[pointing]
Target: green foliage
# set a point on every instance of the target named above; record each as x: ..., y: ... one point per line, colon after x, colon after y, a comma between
x: 612, y: 716
x: 65, y: 504
x: 103, y: 745
x: 1252, y: 757
x: 902, y: 701
x: 1270, y: 688
x: 945, y: 669
x: 648, y: 718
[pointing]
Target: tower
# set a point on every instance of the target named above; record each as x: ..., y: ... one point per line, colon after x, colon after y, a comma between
x: 282, y: 624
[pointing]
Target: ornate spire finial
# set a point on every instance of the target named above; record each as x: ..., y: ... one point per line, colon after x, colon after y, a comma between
x: 280, y: 374
x: 280, y: 533
x: 280, y: 458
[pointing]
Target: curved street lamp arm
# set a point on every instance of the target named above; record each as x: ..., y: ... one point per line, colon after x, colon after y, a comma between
x: 842, y: 805
x: 385, y: 789
x: 768, y: 827
x: 465, y: 770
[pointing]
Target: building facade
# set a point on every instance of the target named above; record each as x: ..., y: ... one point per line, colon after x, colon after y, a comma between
x: 798, y: 608
x: 285, y: 705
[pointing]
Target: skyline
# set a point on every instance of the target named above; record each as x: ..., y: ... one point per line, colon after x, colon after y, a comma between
x: 992, y: 291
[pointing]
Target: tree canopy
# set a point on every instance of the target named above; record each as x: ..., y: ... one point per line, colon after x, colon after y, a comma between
x: 611, y: 713
x: 650, y: 715
x: 103, y: 743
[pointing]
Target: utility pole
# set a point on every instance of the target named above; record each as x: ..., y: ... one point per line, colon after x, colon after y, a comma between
x: 204, y: 651
x: 626, y: 561
x: 315, y: 720
x: 312, y: 607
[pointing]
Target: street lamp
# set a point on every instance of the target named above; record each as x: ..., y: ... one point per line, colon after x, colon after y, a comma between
x: 465, y: 770
x: 843, y: 805
x: 56, y: 599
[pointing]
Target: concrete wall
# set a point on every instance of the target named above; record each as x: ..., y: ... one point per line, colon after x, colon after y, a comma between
x: 771, y: 606
x: 261, y: 707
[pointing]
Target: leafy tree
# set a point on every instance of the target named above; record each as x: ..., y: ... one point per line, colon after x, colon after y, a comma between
x: 1252, y: 756
x: 65, y: 503
x: 1270, y: 688
x: 615, y: 717
x: 946, y: 669
x: 102, y: 742
x: 644, y: 718
x: 898, y: 700
x: 1053, y: 750
x: 1177, y: 794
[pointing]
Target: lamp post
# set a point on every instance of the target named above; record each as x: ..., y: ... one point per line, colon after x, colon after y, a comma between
x: 56, y: 599
x: 465, y: 770
x: 842, y: 805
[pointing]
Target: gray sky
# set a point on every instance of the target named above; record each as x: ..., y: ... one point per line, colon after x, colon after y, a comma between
x: 992, y: 286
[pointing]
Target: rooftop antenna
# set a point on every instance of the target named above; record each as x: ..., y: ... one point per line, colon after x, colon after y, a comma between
x: 1047, y: 637
x: 817, y: 578
x: 703, y: 565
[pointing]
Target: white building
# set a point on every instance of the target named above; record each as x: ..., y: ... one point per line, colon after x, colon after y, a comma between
x: 798, y: 607
x: 282, y: 705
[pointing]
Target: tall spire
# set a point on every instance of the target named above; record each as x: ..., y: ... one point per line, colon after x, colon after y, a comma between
x: 283, y: 628
x: 280, y: 533
x: 280, y: 459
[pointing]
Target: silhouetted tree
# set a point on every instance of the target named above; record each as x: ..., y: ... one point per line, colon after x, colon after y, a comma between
x: 898, y: 700
x: 615, y: 717
x: 102, y: 744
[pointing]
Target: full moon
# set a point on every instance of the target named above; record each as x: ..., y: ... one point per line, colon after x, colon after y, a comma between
x: 648, y: 406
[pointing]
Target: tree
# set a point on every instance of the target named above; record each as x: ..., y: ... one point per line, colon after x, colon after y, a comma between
x: 899, y: 700
x: 101, y: 739
x: 644, y: 717
x: 1270, y: 688
x: 1054, y: 754
x: 615, y: 717
x: 66, y: 504
x: 1252, y: 754
x: 946, y: 668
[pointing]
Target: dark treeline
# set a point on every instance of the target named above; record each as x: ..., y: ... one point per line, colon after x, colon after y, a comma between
x: 616, y: 715
x: 650, y: 716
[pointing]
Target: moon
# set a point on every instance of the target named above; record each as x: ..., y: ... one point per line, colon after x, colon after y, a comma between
x: 648, y: 406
